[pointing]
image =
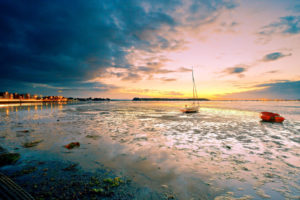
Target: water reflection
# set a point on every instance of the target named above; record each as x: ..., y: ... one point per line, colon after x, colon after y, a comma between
x: 14, y: 108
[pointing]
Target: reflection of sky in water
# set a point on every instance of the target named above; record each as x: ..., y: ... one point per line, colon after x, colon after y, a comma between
x: 223, y: 148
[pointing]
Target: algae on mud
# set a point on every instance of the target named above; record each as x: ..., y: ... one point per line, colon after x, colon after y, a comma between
x: 8, y: 158
x: 57, y: 183
x: 32, y: 143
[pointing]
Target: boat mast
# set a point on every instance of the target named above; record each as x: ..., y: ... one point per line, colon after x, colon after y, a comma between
x: 195, y: 96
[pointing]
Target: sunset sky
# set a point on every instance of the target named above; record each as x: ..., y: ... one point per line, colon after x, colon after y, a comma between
x: 243, y: 49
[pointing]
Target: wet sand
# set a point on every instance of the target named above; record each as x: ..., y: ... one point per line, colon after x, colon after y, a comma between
x: 222, y: 152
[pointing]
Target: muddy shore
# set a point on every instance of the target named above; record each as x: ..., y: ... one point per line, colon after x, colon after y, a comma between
x: 149, y: 150
x: 53, y: 179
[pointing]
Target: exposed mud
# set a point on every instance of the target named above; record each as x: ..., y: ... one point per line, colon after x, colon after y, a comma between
x: 222, y: 152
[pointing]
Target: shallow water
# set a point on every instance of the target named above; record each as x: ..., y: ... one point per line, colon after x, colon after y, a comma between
x: 224, y: 151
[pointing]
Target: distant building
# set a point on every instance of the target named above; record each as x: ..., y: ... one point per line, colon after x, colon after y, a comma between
x: 16, y: 96
x: 5, y: 95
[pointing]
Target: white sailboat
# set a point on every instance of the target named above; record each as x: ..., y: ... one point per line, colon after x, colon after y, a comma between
x: 193, y: 108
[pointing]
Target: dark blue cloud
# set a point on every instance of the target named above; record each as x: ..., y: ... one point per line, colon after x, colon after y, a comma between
x: 62, y: 44
x: 278, y: 90
x: 210, y: 6
x: 286, y: 25
x: 68, y: 88
x: 296, y: 8
x: 284, y: 89
x: 237, y: 70
x: 274, y: 56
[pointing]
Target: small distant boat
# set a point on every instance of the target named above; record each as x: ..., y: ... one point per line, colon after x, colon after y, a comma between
x: 192, y: 108
x: 189, y: 109
x: 271, y: 117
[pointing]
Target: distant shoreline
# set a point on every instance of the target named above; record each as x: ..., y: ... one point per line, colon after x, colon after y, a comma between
x: 204, y: 99
x: 168, y: 99
x: 10, y: 101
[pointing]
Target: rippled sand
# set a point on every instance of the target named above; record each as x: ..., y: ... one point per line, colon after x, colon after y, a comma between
x: 222, y: 152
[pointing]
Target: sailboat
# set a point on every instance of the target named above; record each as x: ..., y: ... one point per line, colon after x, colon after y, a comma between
x: 193, y: 108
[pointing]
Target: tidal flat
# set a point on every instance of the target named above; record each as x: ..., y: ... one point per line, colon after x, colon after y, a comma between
x: 150, y: 150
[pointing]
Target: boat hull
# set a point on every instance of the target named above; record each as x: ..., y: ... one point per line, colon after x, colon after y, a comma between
x: 189, y: 110
x: 271, y: 117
